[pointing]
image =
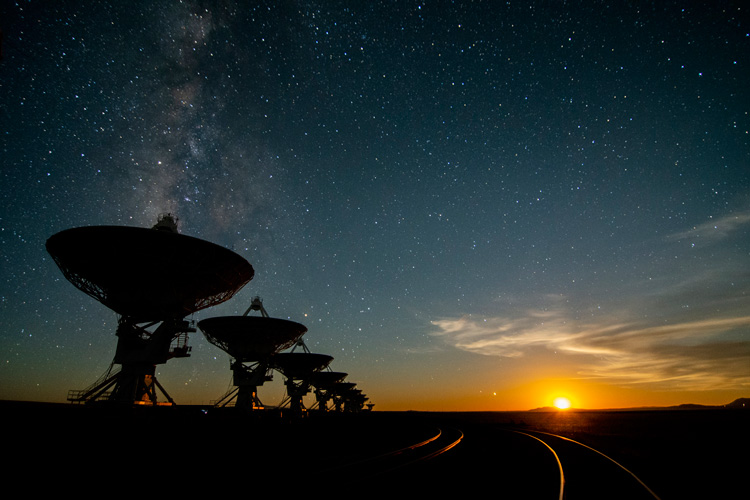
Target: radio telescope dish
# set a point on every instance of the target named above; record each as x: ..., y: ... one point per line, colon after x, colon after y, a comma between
x: 251, y: 338
x: 343, y: 387
x: 251, y: 341
x: 341, y: 392
x: 353, y: 400
x: 148, y: 274
x: 300, y: 365
x: 326, y: 379
x: 298, y: 368
x: 323, y: 382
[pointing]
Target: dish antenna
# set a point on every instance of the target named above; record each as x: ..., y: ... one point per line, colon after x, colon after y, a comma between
x: 251, y: 341
x: 347, y: 397
x: 324, y: 381
x: 299, y: 368
x: 152, y: 278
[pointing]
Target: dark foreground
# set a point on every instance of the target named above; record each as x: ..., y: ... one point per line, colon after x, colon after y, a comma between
x: 677, y: 453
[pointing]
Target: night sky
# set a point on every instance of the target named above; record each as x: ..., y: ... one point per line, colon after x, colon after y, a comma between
x: 478, y: 206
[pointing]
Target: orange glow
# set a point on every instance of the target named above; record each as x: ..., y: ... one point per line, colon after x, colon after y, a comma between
x: 562, y: 403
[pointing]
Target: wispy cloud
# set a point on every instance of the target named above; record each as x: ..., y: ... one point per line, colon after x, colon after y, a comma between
x: 683, y: 325
x: 695, y: 355
x: 713, y: 230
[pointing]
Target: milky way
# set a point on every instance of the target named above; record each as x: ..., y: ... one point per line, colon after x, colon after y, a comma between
x: 457, y: 200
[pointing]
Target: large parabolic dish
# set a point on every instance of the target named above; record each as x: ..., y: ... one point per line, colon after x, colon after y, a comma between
x: 146, y: 274
x: 300, y: 365
x: 251, y: 338
x: 343, y: 387
x: 326, y: 380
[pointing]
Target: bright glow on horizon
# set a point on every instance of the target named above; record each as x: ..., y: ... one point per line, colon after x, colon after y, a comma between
x: 562, y: 403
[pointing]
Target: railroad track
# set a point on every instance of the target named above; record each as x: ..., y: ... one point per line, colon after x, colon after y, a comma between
x: 590, y: 473
x: 395, y: 462
x: 518, y: 463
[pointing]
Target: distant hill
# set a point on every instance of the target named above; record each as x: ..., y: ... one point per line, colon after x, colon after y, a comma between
x: 551, y: 408
x: 737, y: 403
x: 740, y: 403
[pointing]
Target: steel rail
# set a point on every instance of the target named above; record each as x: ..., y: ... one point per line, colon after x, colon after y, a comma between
x: 391, y: 461
x: 392, y: 453
x: 557, y: 458
x: 656, y: 497
x: 443, y: 449
x: 409, y: 461
x: 407, y: 448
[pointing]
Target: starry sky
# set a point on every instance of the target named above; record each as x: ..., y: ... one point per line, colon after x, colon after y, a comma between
x: 470, y: 205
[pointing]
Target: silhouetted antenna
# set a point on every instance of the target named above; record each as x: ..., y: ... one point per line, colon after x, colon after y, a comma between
x: 298, y: 368
x: 166, y: 222
x: 347, y: 397
x: 149, y: 277
x: 257, y: 305
x: 324, y: 382
x: 251, y: 341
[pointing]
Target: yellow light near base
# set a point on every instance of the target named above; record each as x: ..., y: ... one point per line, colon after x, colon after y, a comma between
x: 562, y: 403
